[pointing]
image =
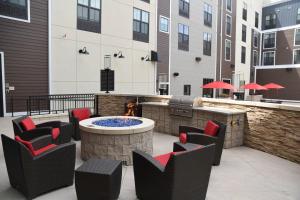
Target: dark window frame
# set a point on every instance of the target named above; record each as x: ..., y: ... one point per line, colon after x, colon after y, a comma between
x: 12, y: 11
x: 139, y: 35
x: 267, y: 60
x: 244, y: 33
x: 271, y: 41
x: 255, y: 58
x: 297, y: 37
x: 187, y: 90
x: 168, y: 24
x: 208, y: 93
x: 227, y: 3
x: 256, y: 19
x: 243, y: 55
x: 184, y: 8
x: 147, y: 1
x: 255, y: 39
x: 207, y: 42
x: 228, y: 25
x: 183, y: 38
x: 296, y: 52
x: 226, y: 80
x: 88, y: 24
x: 271, y: 21
x: 226, y: 49
x: 245, y: 11
x: 298, y: 16
x: 207, y: 15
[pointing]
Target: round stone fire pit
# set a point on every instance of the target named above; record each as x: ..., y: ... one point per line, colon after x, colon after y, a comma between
x: 115, y: 137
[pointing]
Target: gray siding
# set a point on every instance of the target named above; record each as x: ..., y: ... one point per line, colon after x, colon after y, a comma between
x: 286, y: 13
x: 25, y: 47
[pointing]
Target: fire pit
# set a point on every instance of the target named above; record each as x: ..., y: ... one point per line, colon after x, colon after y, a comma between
x: 115, y: 137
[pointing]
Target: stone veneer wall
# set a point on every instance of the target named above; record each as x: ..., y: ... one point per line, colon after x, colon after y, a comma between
x: 272, y: 130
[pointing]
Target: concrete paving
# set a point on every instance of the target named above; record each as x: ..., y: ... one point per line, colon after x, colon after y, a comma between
x: 244, y: 174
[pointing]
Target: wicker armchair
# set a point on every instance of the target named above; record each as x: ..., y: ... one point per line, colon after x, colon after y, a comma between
x: 185, y: 175
x: 36, y: 175
x: 197, y: 136
x: 75, y: 116
x: 60, y: 132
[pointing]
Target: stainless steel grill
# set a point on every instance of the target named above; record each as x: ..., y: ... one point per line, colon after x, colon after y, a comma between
x: 181, y: 107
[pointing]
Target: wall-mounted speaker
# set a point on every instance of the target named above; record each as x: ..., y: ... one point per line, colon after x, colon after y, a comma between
x: 154, y: 56
x: 175, y: 74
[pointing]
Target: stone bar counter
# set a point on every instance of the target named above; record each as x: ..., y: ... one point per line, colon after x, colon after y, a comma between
x: 157, y: 109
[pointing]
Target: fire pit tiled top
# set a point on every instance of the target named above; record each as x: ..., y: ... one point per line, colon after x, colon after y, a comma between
x: 110, y: 126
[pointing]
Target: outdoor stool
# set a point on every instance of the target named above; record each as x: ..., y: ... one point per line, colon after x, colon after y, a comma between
x: 98, y: 179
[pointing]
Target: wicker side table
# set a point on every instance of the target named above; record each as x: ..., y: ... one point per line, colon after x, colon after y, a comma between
x: 98, y: 179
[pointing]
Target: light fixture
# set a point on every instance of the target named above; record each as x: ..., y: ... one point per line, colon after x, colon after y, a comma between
x: 107, y: 62
x: 198, y: 59
x: 84, y: 51
x: 119, y: 55
x: 146, y: 58
x: 175, y: 74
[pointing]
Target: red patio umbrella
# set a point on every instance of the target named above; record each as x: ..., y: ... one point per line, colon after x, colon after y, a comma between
x: 254, y: 86
x: 218, y: 85
x: 273, y: 86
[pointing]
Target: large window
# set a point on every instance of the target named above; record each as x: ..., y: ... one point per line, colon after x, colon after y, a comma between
x: 269, y: 58
x: 184, y: 8
x: 269, y: 40
x: 164, y: 24
x: 229, y: 5
x: 89, y: 15
x: 255, y: 39
x: 245, y: 11
x: 256, y: 19
x: 224, y: 91
x: 255, y: 58
x: 244, y: 33
x: 227, y: 50
x: 183, y: 37
x: 207, y: 15
x: 187, y: 90
x: 297, y: 37
x: 140, y: 25
x: 208, y: 93
x: 298, y: 16
x: 297, y: 56
x: 207, y: 44
x: 270, y: 21
x: 243, y: 55
x: 228, y: 25
x: 14, y: 9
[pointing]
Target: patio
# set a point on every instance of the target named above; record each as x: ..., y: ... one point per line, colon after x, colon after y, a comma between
x: 244, y: 174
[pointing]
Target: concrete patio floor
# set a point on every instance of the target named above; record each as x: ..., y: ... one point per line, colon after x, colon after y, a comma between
x: 244, y: 174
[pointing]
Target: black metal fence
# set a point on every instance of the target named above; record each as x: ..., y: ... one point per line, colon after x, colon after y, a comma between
x: 54, y: 104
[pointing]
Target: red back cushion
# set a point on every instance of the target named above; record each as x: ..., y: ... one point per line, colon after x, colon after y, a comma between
x: 211, y: 128
x: 27, y: 124
x: 164, y: 159
x: 183, y: 138
x: 81, y: 113
x: 26, y: 143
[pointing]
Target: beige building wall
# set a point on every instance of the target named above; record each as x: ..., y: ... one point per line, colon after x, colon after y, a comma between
x: 72, y: 72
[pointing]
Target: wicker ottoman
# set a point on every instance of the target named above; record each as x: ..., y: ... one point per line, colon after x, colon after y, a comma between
x: 98, y: 179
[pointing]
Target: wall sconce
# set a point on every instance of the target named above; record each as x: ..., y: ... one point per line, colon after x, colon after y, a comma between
x: 175, y: 74
x: 119, y: 55
x: 84, y: 51
x: 198, y: 59
x: 146, y: 58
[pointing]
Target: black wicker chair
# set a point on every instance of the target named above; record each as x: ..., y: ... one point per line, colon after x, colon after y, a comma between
x: 197, y: 136
x: 42, y: 129
x: 185, y: 176
x: 36, y: 175
x: 74, y: 120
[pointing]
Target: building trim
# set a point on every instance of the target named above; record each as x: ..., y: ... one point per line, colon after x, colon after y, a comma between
x: 294, y: 50
x: 20, y: 20
x: 263, y: 58
x: 275, y: 3
x: 295, y: 37
x: 281, y: 29
x: 3, y: 83
x: 50, y: 46
x: 170, y: 48
x: 278, y: 66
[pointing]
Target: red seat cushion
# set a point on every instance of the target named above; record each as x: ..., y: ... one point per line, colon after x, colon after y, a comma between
x: 183, y: 138
x: 211, y: 128
x: 44, y: 149
x: 55, y: 133
x: 81, y: 113
x: 27, y: 124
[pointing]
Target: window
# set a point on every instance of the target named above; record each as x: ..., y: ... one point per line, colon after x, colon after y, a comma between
x: 269, y: 40
x: 245, y: 11
x: 107, y: 80
x: 187, y: 90
x: 243, y: 55
x: 297, y: 37
x: 207, y: 44
x: 269, y: 58
x: 183, y: 37
x: 228, y: 25
x: 208, y: 93
x: 270, y: 21
x: 255, y: 58
x: 255, y: 39
x: 256, y: 19
x: 297, y: 56
x: 164, y: 24
x: 140, y: 25
x: 15, y: 9
x: 184, y: 8
x: 207, y: 15
x: 229, y: 5
x: 89, y: 15
x: 148, y: 1
x: 224, y: 91
x: 244, y: 33
x: 298, y: 16
x: 227, y: 50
